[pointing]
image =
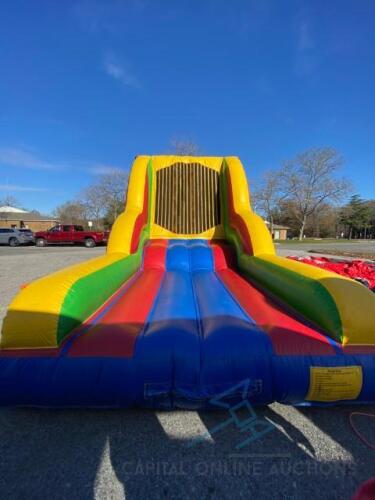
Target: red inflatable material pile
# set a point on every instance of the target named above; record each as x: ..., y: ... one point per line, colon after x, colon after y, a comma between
x: 355, y: 269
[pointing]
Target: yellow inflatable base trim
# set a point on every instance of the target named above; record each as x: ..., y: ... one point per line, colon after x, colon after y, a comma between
x: 38, y: 305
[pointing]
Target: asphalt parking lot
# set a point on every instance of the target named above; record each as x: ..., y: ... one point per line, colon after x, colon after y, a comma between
x: 133, y: 454
x: 360, y: 247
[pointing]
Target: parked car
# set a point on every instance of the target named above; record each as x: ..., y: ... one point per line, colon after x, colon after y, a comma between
x: 73, y: 234
x: 14, y: 237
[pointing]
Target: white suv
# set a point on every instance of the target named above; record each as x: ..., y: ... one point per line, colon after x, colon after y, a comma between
x: 15, y: 237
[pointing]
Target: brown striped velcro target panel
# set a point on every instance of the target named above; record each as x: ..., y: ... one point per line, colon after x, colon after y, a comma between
x: 187, y: 198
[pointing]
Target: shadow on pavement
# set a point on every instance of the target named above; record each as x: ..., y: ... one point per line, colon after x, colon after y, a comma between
x: 136, y: 453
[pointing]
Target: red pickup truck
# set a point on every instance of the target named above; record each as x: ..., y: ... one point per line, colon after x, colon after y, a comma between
x: 70, y: 234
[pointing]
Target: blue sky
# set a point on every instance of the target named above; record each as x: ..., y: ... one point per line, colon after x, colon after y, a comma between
x: 87, y: 85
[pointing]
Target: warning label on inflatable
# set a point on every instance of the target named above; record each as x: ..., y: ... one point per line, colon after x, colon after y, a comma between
x: 334, y: 384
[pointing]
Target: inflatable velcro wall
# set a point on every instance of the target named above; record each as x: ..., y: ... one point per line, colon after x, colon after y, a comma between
x: 189, y: 301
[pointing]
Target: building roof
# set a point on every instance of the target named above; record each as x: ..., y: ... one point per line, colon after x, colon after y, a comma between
x: 25, y: 216
x: 12, y: 210
x: 277, y: 226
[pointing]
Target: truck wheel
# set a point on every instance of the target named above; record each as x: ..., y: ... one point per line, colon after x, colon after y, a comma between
x: 89, y: 243
x: 13, y: 242
x: 40, y: 242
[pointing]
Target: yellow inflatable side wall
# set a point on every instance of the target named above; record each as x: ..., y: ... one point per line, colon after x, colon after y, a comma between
x: 260, y: 237
x: 354, y: 301
x: 299, y: 283
x: 34, y: 314
x: 122, y: 230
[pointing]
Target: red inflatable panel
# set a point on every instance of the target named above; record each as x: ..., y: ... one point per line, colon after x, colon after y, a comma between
x: 154, y: 254
x: 355, y: 269
x: 289, y: 336
x: 237, y: 221
x: 115, y: 333
x: 141, y: 221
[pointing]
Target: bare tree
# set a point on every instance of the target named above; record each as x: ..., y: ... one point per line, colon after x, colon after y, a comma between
x: 9, y: 201
x: 105, y: 198
x: 101, y: 202
x: 184, y: 147
x: 310, y: 180
x: 269, y: 195
x: 114, y: 187
x: 71, y: 212
x: 94, y: 201
x: 323, y: 222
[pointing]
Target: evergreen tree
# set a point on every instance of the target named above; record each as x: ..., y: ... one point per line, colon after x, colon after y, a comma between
x: 356, y: 216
